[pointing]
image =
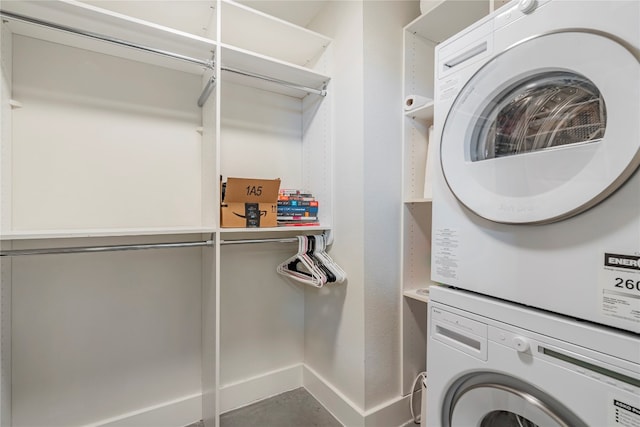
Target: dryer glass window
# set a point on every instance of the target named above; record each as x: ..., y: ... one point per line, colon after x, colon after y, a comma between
x: 545, y: 111
x: 505, y: 419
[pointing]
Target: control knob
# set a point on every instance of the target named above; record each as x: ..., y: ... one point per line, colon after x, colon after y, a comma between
x: 527, y: 6
x: 520, y: 344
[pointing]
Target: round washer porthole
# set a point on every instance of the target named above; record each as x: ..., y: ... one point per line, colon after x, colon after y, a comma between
x: 490, y: 399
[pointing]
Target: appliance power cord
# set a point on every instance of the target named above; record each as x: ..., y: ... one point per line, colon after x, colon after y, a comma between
x: 416, y: 418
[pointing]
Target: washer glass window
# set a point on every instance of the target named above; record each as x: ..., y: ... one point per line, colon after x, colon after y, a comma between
x: 505, y: 419
x: 545, y: 111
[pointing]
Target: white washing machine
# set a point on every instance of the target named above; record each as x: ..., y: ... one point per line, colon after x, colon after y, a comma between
x: 537, y: 128
x: 498, y: 364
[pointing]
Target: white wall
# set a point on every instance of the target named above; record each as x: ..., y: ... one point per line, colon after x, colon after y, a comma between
x: 5, y: 215
x: 352, y: 332
x: 261, y: 319
x: 98, y: 336
x: 383, y: 23
x: 334, y: 318
x: 110, y: 113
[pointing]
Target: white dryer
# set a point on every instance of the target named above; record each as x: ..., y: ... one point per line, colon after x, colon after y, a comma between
x: 537, y: 128
x: 527, y: 369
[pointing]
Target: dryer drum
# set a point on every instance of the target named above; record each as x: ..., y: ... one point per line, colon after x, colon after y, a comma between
x: 542, y: 112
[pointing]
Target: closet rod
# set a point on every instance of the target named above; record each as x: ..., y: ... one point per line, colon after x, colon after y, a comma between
x: 16, y: 17
x: 94, y: 249
x: 244, y: 241
x: 321, y: 92
x: 325, y: 233
x: 206, y: 92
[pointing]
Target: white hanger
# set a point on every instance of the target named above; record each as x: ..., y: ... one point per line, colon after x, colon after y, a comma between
x: 311, y: 274
x: 314, y: 252
x: 321, y: 254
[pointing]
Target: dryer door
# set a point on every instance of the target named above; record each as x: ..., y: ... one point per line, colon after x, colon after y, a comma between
x: 545, y: 130
x: 496, y: 400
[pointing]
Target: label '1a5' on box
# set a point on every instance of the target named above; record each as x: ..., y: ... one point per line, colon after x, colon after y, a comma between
x: 250, y: 203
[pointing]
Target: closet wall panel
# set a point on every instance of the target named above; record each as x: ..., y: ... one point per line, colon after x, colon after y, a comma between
x: 261, y: 134
x: 5, y: 222
x: 5, y: 341
x: 261, y: 319
x: 71, y: 132
x: 6, y: 64
x: 100, y: 335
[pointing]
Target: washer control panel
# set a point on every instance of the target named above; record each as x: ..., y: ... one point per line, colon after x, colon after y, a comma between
x: 517, y: 11
x: 619, y: 377
x: 518, y: 342
x: 459, y: 332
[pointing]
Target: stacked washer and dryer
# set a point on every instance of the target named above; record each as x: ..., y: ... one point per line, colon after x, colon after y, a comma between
x: 536, y: 219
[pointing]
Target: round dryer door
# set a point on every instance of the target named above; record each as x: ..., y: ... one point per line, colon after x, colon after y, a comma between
x: 545, y: 130
x: 497, y: 400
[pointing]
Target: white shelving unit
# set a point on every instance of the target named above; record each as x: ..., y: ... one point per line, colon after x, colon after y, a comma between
x: 75, y: 234
x: 104, y: 144
x: 93, y: 19
x: 443, y: 20
x: 301, y: 46
x: 417, y: 294
x: 422, y: 114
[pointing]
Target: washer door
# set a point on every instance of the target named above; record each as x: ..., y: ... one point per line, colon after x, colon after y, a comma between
x: 496, y: 400
x: 545, y: 130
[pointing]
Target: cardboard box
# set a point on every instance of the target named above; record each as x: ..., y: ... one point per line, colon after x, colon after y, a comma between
x: 250, y: 203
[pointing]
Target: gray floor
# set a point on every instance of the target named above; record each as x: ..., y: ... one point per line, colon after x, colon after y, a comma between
x: 295, y: 408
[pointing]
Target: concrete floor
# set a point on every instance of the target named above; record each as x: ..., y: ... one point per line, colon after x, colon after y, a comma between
x: 295, y: 408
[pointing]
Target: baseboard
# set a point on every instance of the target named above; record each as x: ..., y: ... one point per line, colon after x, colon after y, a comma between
x: 332, y: 399
x: 395, y: 412
x: 188, y: 410
x: 178, y: 412
x: 250, y: 390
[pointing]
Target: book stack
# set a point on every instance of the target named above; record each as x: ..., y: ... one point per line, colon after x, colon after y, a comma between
x: 297, y: 208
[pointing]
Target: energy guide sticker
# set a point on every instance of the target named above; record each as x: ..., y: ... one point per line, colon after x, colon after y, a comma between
x: 624, y: 413
x: 446, y: 242
x: 619, y: 286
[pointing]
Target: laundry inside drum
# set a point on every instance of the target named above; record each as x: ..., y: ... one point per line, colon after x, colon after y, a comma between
x: 543, y: 112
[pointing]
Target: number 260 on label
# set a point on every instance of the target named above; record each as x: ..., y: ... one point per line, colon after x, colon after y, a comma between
x: 627, y: 284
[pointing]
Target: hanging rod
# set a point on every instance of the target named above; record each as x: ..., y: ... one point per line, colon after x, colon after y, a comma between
x: 244, y: 241
x: 321, y: 92
x: 207, y: 91
x: 325, y: 233
x: 95, y: 249
x: 16, y: 17
x: 208, y: 64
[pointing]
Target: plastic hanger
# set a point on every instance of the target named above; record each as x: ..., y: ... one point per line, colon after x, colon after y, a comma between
x: 321, y: 253
x: 307, y: 256
x: 301, y: 268
x: 313, y: 253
